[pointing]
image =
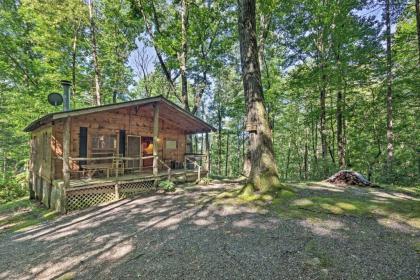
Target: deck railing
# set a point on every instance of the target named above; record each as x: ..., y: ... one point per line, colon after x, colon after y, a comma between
x: 117, y: 164
x: 166, y: 166
x: 193, y: 159
x: 89, y: 166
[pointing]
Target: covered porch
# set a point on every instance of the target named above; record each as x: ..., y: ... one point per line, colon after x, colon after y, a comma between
x: 146, y: 143
x: 93, y: 155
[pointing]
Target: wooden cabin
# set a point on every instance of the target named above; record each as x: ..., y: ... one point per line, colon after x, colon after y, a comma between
x: 94, y: 155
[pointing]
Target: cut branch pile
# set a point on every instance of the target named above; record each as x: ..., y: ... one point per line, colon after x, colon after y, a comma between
x: 349, y: 178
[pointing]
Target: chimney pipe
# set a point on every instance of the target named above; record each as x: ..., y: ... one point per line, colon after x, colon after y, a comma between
x: 66, y: 95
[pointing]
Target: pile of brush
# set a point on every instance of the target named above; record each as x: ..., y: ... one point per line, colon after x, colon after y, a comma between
x: 349, y: 178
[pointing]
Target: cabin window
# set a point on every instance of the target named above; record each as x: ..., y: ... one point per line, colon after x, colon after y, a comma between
x: 170, y: 144
x: 104, y: 143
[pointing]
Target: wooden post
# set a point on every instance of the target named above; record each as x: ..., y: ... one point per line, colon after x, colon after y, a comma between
x: 155, y: 138
x: 31, y: 172
x: 207, y: 153
x: 117, y: 192
x: 66, y: 164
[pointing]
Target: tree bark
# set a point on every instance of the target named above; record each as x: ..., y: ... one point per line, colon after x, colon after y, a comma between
x: 305, y: 156
x: 227, y: 155
x: 219, y: 142
x: 289, y: 150
x: 74, y: 61
x: 95, y: 53
x: 417, y: 4
x: 340, y: 138
x: 389, y: 103
x: 263, y: 175
x: 322, y: 125
x: 183, y: 53
x: 238, y: 148
x: 264, y: 24
x: 4, y: 166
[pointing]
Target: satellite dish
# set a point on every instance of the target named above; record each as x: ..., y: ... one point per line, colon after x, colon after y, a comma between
x: 55, y: 99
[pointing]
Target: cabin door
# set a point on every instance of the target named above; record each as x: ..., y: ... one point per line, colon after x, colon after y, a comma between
x: 133, y: 150
x: 147, y: 151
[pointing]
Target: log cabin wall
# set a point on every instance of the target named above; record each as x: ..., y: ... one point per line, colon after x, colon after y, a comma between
x: 136, y: 121
x: 41, y: 164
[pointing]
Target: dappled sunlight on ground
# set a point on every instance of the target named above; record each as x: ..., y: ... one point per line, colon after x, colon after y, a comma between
x: 204, y: 232
x: 324, y: 227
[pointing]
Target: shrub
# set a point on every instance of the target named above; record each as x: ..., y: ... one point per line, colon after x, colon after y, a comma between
x: 167, y: 185
x: 205, y: 180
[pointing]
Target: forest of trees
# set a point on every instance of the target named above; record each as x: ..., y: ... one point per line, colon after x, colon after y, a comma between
x: 339, y: 81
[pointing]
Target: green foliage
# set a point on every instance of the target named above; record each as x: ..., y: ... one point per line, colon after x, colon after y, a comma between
x: 167, y: 185
x: 13, y: 188
x: 301, y: 42
x: 205, y: 180
x: 23, y: 213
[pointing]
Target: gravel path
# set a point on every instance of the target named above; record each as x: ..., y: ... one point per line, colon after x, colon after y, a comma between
x: 186, y: 236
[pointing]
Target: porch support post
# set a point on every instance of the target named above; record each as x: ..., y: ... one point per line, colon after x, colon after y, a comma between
x: 31, y: 171
x: 155, y: 138
x: 207, y: 153
x: 66, y: 165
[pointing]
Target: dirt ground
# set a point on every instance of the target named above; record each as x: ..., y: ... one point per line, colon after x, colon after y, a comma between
x: 194, y: 234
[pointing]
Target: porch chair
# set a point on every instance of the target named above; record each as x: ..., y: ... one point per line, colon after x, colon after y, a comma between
x: 117, y: 164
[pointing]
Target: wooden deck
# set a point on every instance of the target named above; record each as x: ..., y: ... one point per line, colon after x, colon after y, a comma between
x: 121, y: 179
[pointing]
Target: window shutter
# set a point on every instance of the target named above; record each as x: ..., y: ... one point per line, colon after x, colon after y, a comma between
x: 83, y: 144
x: 121, y: 148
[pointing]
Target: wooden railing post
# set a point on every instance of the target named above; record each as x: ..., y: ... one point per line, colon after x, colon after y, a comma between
x: 117, y: 192
x: 66, y: 164
x: 155, y: 138
x: 207, y: 166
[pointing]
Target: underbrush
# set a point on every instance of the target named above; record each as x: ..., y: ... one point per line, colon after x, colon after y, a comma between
x: 18, y: 214
x: 13, y: 188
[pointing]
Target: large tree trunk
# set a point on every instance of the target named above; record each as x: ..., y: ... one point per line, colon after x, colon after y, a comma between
x: 227, y: 155
x: 183, y: 53
x: 219, y: 143
x: 339, y: 118
x: 322, y: 125
x: 389, y: 117
x: 289, y: 150
x: 305, y: 156
x: 340, y: 137
x: 263, y: 175
x: 95, y: 54
x: 418, y: 25
x: 314, y: 137
x: 263, y: 32
x: 73, y: 63
x: 331, y: 146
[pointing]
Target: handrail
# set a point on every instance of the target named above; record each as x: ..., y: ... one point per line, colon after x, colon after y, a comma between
x: 165, y: 165
x: 195, y: 164
x: 107, y: 158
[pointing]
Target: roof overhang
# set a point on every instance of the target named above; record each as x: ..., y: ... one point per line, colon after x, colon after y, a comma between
x: 202, y: 126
